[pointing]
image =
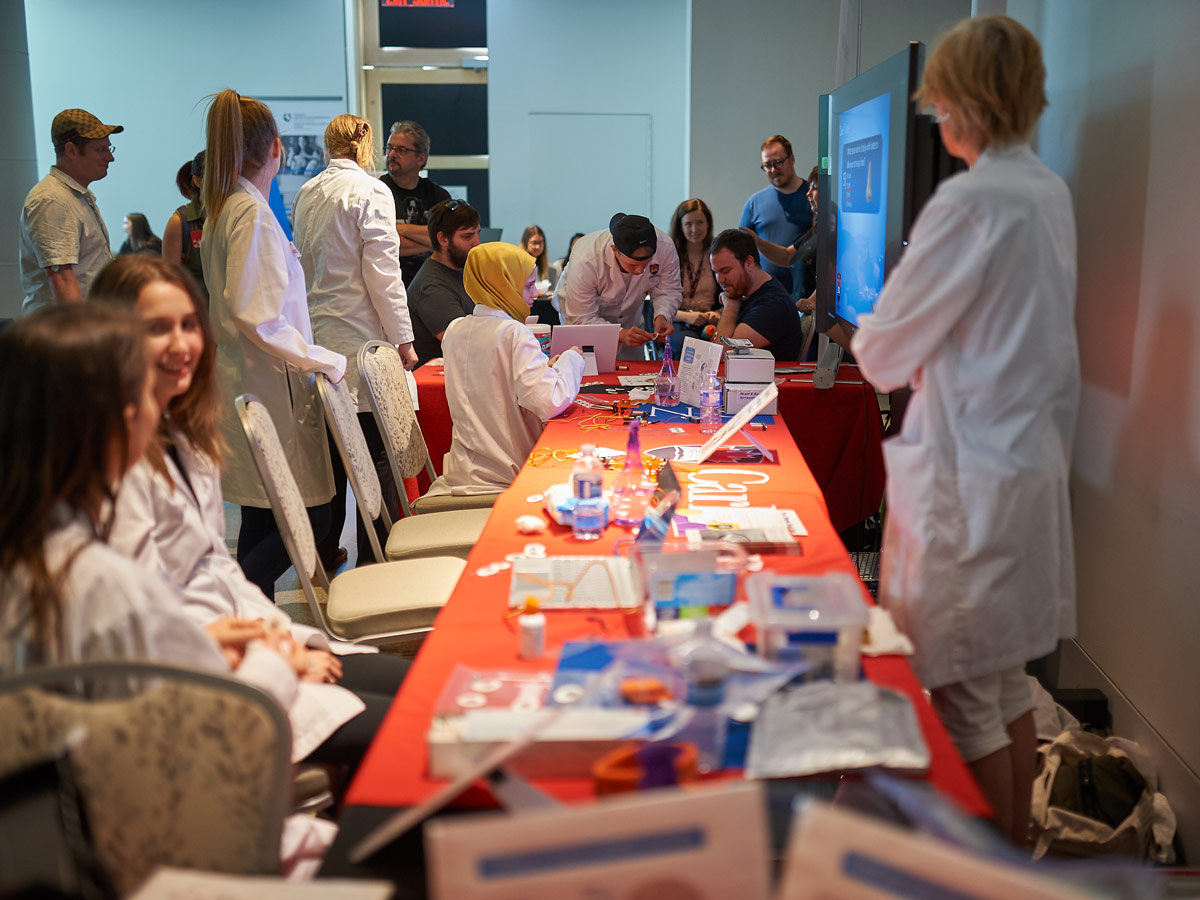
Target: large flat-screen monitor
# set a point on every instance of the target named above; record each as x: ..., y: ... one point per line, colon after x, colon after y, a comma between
x: 879, y: 163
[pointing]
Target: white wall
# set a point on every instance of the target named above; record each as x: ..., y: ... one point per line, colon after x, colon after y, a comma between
x: 152, y: 65
x: 621, y: 57
x: 758, y: 69
x: 1123, y: 82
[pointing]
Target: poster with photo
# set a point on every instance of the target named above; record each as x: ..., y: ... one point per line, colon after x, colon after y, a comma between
x: 301, y: 122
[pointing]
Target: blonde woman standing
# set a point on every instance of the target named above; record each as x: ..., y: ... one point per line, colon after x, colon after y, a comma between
x: 346, y: 233
x: 978, y: 318
x: 259, y: 313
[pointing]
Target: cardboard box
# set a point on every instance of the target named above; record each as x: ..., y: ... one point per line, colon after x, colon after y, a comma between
x: 749, y: 366
x: 738, y: 395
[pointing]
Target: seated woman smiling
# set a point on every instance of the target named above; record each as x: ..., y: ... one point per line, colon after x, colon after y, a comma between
x: 78, y: 410
x: 499, y: 385
x: 170, y: 515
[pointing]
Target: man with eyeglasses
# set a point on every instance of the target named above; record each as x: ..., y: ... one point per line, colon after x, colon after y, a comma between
x: 609, y: 276
x: 64, y: 242
x: 407, y: 152
x: 779, y: 212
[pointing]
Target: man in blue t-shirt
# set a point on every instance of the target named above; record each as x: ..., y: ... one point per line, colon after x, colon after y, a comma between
x: 779, y: 212
x: 757, y: 308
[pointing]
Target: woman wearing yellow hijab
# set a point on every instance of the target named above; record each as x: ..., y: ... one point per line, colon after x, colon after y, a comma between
x: 499, y: 384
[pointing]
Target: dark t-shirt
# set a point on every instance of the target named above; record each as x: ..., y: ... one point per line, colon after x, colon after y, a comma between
x: 804, y: 267
x: 436, y: 298
x: 771, y: 313
x: 412, y: 208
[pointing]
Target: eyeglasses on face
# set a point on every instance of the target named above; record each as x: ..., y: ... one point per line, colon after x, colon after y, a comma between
x: 85, y: 145
x: 774, y: 164
x: 401, y: 151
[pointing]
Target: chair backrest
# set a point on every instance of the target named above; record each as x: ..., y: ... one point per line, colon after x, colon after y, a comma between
x: 287, y: 504
x: 356, y: 457
x: 174, y: 766
x: 382, y: 374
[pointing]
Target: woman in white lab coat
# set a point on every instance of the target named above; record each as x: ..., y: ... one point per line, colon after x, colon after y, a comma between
x: 499, y: 385
x: 346, y: 233
x: 77, y: 411
x: 170, y: 518
x: 264, y: 338
x: 979, y: 319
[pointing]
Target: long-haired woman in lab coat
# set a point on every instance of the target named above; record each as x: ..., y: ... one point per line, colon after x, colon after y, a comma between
x: 978, y: 318
x: 170, y: 515
x: 77, y: 412
x: 499, y: 384
x: 259, y: 311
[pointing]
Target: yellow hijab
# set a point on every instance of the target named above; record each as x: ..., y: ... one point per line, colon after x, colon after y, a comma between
x: 495, y: 276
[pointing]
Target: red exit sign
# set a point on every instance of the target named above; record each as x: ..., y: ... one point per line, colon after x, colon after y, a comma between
x: 413, y: 4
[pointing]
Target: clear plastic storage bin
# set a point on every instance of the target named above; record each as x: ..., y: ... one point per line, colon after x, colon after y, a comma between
x: 816, y: 619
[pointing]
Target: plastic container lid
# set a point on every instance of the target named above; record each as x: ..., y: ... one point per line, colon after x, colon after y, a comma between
x: 806, y: 602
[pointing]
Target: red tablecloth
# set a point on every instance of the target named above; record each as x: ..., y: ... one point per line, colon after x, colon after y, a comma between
x: 475, y: 630
x: 838, y: 431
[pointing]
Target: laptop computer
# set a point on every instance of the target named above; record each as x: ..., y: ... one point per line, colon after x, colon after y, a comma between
x: 600, y: 340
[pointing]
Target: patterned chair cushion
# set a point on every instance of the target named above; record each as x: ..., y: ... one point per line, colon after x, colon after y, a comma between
x: 340, y: 408
x: 383, y: 374
x: 179, y: 775
x: 281, y: 480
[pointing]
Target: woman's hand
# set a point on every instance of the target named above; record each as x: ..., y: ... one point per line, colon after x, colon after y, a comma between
x: 321, y: 668
x: 807, y: 304
x: 558, y: 356
x: 278, y: 638
x: 232, y: 635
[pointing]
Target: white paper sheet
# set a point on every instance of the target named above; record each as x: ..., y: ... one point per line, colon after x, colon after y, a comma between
x: 697, y: 358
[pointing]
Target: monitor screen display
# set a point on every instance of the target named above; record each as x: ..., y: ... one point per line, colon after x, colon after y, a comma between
x: 865, y: 208
x: 862, y: 208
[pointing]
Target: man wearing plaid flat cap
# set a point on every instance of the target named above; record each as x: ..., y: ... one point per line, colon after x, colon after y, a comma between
x: 64, y: 243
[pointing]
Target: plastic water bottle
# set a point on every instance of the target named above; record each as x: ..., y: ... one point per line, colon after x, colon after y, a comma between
x: 631, y: 491
x: 710, y: 403
x: 666, y: 383
x: 706, y: 671
x: 589, y: 515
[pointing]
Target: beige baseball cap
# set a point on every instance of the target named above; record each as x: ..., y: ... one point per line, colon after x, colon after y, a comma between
x: 79, y: 123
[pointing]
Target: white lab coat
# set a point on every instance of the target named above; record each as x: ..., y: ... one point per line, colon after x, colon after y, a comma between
x: 259, y: 312
x: 180, y: 532
x: 182, y: 538
x: 593, y: 289
x: 113, y: 608
x: 499, y: 387
x: 350, y: 251
x: 978, y: 564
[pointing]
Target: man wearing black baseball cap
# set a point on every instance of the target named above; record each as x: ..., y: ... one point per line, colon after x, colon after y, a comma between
x: 610, y: 274
x: 64, y: 242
